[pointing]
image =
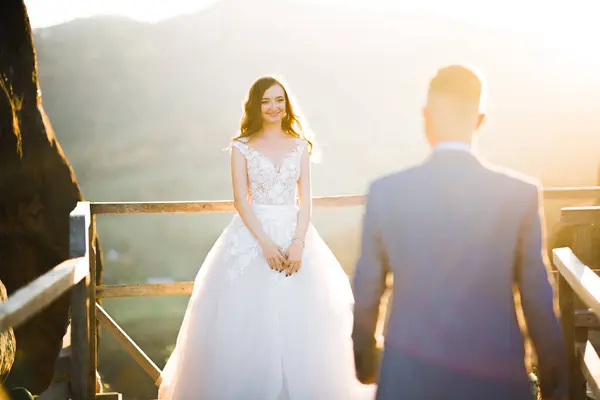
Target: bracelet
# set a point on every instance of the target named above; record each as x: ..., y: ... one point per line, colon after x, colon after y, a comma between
x: 297, y: 238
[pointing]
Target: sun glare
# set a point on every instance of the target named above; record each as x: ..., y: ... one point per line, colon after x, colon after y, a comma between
x: 571, y: 29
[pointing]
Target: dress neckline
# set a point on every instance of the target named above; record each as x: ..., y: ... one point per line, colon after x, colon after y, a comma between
x: 277, y: 165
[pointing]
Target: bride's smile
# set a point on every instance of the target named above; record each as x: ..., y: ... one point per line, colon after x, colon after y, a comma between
x: 273, y: 105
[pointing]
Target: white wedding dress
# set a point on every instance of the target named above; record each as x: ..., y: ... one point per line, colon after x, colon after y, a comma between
x: 250, y: 333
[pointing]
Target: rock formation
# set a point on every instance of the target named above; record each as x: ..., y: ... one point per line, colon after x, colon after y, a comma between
x: 38, y: 190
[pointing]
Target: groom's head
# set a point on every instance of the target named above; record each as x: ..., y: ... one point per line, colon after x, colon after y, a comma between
x: 453, y: 109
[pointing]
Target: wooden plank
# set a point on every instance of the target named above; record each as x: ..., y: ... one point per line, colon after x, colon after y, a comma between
x: 148, y: 289
x: 590, y: 192
x: 83, y: 383
x: 590, y: 366
x: 582, y: 192
x: 79, y: 222
x: 109, y: 396
x: 581, y: 245
x: 586, y: 319
x: 33, y: 298
x: 566, y: 304
x: 580, y: 215
x: 80, y: 342
x: 174, y: 207
x: 128, y: 344
x: 93, y: 323
x: 584, y: 282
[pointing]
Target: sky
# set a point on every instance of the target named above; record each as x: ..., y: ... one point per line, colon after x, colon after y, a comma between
x: 509, y: 14
x: 569, y: 25
x: 44, y: 13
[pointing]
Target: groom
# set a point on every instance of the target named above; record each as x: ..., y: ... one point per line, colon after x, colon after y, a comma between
x: 457, y: 235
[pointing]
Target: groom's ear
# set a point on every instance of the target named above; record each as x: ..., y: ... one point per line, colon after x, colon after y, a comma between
x: 425, y: 114
x: 480, y: 119
x: 427, y: 124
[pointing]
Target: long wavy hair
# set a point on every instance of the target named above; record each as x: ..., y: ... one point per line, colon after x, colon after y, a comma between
x: 251, y: 122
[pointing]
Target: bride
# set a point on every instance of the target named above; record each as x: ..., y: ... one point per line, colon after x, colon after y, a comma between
x: 270, y: 316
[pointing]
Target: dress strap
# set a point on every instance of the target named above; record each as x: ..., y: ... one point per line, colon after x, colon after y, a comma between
x: 241, y: 145
x: 301, y: 145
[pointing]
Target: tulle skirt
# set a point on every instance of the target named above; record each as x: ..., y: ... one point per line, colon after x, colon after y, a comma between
x: 252, y: 333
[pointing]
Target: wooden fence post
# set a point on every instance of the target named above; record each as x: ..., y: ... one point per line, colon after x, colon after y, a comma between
x: 83, y: 366
x: 582, y: 246
x: 566, y: 299
x: 94, y: 323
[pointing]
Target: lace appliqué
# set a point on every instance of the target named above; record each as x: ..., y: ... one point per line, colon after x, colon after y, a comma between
x: 270, y: 183
x: 242, y: 249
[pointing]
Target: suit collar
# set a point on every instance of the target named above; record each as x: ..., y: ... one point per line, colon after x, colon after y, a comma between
x: 452, y: 152
x: 452, y: 146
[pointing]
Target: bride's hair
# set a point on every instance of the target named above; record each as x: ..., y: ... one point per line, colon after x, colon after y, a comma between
x: 251, y: 122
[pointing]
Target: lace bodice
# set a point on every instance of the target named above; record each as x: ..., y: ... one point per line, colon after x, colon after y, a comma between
x: 270, y: 183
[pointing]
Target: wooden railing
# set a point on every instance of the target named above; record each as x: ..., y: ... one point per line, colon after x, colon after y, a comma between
x: 577, y: 284
x: 178, y: 207
x: 74, y: 274
x: 185, y: 288
x: 36, y: 296
x: 79, y: 273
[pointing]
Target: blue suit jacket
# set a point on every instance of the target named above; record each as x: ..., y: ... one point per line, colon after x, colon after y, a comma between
x: 458, y: 236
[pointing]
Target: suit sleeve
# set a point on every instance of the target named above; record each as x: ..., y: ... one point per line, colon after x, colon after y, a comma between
x: 369, y: 284
x: 537, y: 299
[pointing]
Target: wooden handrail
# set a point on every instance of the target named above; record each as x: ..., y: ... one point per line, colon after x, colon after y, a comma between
x: 144, y: 289
x: 175, y: 207
x: 576, y: 280
x: 128, y: 344
x: 580, y: 215
x: 31, y: 299
x: 581, y: 192
x: 584, y: 282
x: 590, y: 366
x: 163, y: 207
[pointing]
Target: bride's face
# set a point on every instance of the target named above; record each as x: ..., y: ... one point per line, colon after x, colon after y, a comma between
x: 272, y: 105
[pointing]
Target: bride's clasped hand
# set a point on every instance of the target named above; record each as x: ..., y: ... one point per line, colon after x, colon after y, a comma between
x: 294, y: 256
x: 288, y: 261
x: 275, y: 257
